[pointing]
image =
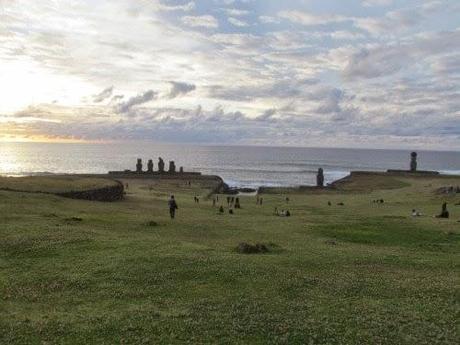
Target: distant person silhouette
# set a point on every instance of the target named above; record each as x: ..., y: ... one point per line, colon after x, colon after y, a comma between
x: 172, y: 207
x: 444, y: 212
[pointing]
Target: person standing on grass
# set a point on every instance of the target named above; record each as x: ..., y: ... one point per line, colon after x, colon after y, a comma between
x: 172, y: 207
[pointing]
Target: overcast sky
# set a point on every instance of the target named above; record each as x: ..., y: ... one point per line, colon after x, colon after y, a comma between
x: 354, y: 73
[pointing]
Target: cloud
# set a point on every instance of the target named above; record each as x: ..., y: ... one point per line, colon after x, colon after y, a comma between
x: 206, y: 21
x: 287, y: 89
x: 145, y: 97
x: 236, y: 12
x: 371, y: 3
x: 397, y: 20
x: 186, y: 7
x: 267, y: 115
x: 237, y: 22
x: 180, y: 89
x: 447, y: 65
x: 310, y: 19
x: 385, y: 60
x: 351, y: 75
x: 103, y: 95
x: 269, y: 20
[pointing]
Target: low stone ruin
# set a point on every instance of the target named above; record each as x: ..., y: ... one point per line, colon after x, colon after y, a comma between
x: 449, y: 190
x: 108, y: 194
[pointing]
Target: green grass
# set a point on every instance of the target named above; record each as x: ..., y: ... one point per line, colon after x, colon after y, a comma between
x: 53, y: 184
x: 355, y: 274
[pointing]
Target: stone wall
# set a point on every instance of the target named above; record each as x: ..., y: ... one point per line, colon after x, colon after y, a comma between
x: 107, y: 194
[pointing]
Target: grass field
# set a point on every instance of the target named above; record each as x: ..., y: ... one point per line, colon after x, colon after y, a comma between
x: 53, y: 184
x: 79, y: 272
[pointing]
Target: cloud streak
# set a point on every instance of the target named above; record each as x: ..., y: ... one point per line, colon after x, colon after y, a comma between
x: 145, y: 97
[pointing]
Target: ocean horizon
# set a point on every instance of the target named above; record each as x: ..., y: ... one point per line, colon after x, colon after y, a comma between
x: 239, y: 166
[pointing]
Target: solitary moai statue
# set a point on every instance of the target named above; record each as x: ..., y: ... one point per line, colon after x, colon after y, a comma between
x: 172, y: 167
x: 139, y: 166
x: 161, y: 165
x: 150, y: 166
x: 181, y: 170
x: 413, y: 162
x: 320, y: 178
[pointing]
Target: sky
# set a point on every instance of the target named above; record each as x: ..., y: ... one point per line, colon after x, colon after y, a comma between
x: 329, y: 73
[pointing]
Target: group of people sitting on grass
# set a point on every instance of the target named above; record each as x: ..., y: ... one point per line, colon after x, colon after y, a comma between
x: 235, y: 203
x: 338, y: 204
x: 282, y: 213
x: 444, y: 212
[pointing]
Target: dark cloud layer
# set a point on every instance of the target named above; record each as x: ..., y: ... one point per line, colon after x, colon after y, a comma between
x: 180, y: 89
x: 145, y: 97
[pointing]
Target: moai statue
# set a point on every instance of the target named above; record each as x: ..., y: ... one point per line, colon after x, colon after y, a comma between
x: 150, y: 167
x: 413, y: 162
x: 181, y: 170
x: 139, y: 166
x: 320, y: 178
x: 172, y: 167
x: 161, y: 165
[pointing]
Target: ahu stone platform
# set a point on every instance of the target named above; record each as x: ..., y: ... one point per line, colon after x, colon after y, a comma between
x: 151, y: 173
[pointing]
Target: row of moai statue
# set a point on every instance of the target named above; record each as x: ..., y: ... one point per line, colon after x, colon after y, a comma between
x: 161, y: 166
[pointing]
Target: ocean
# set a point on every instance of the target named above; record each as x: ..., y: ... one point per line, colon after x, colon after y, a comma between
x: 239, y: 166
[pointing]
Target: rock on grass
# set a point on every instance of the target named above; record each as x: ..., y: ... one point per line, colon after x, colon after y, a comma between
x: 74, y: 219
x: 246, y: 248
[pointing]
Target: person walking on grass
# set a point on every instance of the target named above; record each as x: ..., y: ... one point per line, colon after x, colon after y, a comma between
x: 172, y: 207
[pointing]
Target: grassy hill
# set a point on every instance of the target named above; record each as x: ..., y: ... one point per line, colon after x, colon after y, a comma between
x: 74, y: 271
x: 54, y: 184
